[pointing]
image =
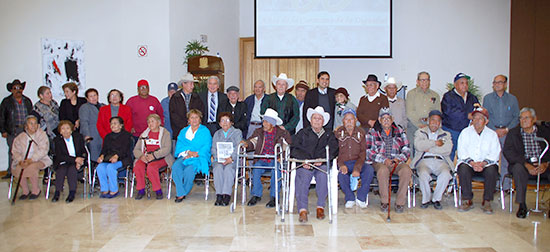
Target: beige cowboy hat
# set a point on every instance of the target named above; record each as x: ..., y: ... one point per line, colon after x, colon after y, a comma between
x: 318, y: 110
x: 271, y: 116
x: 392, y: 81
x: 282, y: 76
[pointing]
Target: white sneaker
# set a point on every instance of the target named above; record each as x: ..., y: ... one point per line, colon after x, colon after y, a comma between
x: 361, y: 204
x: 350, y: 204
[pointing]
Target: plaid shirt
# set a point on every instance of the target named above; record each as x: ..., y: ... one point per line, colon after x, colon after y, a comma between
x: 20, y: 113
x: 378, y: 150
x: 532, y: 148
x: 269, y: 145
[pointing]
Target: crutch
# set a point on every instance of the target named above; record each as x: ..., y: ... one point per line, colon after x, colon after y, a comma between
x: 389, y: 192
x: 21, y: 173
x: 329, y: 186
x: 88, y: 187
x: 537, y: 210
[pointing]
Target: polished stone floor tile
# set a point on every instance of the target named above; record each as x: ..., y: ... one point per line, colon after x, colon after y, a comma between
x: 125, y: 224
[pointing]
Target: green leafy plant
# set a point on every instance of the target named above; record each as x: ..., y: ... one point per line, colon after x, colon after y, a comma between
x: 194, y: 48
x: 472, y: 88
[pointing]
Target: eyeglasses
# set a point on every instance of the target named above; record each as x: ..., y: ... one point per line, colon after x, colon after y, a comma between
x: 225, y: 120
x: 386, y: 118
x: 143, y: 87
x: 17, y: 87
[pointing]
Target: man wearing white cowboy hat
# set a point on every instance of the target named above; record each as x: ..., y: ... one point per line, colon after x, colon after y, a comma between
x: 285, y: 104
x: 397, y: 105
x: 310, y: 143
x: 263, y: 142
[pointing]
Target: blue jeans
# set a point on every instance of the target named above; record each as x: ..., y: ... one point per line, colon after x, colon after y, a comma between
x: 183, y: 177
x: 454, y: 136
x: 108, y: 176
x: 366, y: 175
x: 257, y: 188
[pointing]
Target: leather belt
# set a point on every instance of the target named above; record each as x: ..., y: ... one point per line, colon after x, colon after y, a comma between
x: 434, y: 157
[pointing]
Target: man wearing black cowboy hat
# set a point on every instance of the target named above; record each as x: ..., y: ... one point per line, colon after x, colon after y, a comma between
x: 13, y: 111
x: 371, y: 103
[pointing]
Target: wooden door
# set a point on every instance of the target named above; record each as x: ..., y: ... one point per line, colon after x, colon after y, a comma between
x: 252, y: 69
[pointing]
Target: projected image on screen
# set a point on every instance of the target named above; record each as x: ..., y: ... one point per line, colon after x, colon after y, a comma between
x: 323, y: 28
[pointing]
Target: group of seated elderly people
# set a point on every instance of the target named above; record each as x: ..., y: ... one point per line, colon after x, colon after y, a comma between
x: 367, y: 140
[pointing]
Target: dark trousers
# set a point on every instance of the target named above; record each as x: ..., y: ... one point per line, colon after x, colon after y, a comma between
x: 366, y: 175
x: 521, y: 177
x: 65, y: 170
x: 465, y: 174
x: 213, y: 127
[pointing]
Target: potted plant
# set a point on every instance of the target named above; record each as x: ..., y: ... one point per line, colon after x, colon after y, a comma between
x: 194, y: 48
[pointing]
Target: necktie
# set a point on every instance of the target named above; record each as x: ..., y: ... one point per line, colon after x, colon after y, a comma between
x: 212, y: 114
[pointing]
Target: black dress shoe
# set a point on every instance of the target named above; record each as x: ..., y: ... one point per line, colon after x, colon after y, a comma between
x: 425, y: 205
x: 56, y: 197
x: 254, y: 200
x: 437, y: 205
x: 226, y: 199
x: 7, y: 176
x: 271, y: 203
x: 159, y: 196
x: 218, y: 200
x: 140, y: 196
x: 35, y: 196
x: 522, y: 211
x: 70, y: 198
x: 24, y: 196
x: 179, y: 199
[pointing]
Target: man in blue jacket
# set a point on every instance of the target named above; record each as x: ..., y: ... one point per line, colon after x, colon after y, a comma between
x: 457, y: 105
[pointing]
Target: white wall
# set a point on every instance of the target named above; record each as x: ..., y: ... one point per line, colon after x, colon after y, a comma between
x: 441, y: 37
x: 111, y: 31
x: 219, y: 20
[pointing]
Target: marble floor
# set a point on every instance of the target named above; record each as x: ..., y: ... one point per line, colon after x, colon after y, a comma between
x: 197, y: 225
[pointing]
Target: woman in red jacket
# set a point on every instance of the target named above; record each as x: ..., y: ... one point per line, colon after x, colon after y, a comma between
x: 115, y: 108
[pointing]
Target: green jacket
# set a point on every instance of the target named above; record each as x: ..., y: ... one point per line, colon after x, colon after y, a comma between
x: 287, y: 108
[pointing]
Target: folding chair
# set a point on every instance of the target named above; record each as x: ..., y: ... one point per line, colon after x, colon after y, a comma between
x: 475, y: 178
x: 332, y: 182
x: 395, y: 183
x: 165, y: 173
x: 242, y: 166
x: 450, y: 186
x: 46, y: 171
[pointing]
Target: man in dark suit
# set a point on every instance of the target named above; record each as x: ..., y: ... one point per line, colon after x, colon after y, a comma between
x: 254, y: 104
x: 214, y: 102
x: 238, y: 109
x: 183, y: 101
x: 322, y: 96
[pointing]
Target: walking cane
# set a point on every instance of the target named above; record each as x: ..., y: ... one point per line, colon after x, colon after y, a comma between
x: 389, y: 193
x: 21, y: 173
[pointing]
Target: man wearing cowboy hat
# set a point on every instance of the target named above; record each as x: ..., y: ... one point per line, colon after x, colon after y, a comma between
x: 13, y: 111
x: 371, y: 103
x: 310, y: 143
x: 263, y: 142
x: 420, y: 101
x: 282, y: 102
x: 397, y: 105
x: 387, y: 146
x: 323, y: 96
x: 478, y: 152
x: 301, y: 90
x: 182, y: 102
x: 456, y: 106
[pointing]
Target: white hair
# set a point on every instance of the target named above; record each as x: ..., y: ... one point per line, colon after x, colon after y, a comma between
x: 531, y: 110
x: 214, y: 77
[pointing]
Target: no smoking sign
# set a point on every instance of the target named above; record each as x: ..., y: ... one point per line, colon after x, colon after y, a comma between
x: 142, y: 50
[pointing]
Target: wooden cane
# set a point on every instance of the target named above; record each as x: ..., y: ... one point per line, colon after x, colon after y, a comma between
x: 389, y: 193
x: 21, y: 173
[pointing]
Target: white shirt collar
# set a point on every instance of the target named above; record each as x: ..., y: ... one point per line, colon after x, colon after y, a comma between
x: 371, y: 98
x: 256, y: 98
x: 321, y: 91
x: 392, y: 99
x: 281, y: 96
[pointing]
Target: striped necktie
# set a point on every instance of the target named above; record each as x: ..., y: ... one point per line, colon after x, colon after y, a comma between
x: 212, y: 114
